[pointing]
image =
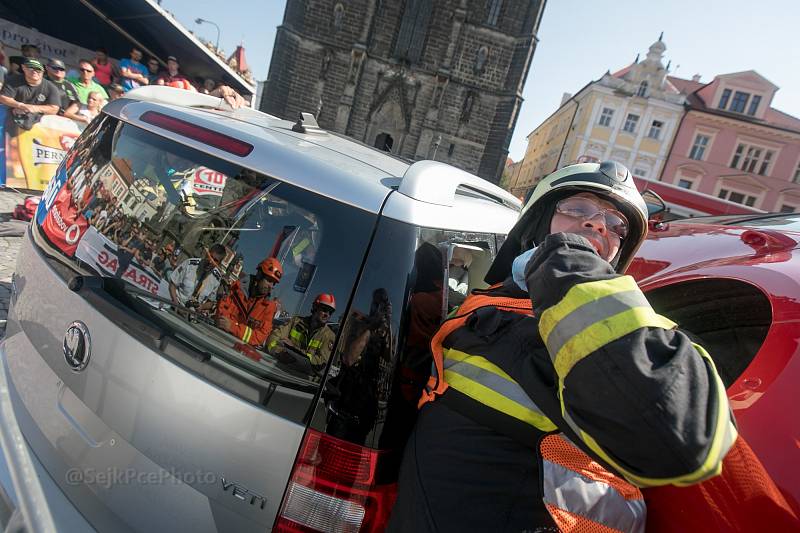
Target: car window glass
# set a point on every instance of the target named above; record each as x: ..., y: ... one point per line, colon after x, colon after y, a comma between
x: 412, y: 279
x: 229, y: 259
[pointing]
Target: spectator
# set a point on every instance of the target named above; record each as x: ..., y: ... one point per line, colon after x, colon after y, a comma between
x: 208, y: 86
x: 105, y: 71
x: 30, y: 51
x: 173, y: 78
x: 69, y: 104
x: 3, y: 63
x: 152, y: 70
x: 92, y: 108
x: 134, y: 74
x: 85, y: 83
x: 115, y: 91
x: 29, y: 96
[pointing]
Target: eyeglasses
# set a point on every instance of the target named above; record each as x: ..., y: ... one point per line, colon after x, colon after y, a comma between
x: 57, y: 69
x: 87, y: 70
x: 586, y: 209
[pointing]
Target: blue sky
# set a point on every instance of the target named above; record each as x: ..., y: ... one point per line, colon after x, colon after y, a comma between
x: 580, y: 40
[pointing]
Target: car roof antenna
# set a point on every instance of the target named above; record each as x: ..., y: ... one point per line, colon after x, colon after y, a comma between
x: 306, y: 120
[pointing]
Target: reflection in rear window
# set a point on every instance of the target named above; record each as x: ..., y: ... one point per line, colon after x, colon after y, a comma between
x: 229, y: 260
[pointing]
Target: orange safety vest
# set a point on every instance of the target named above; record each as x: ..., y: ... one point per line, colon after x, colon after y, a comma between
x: 251, y: 317
x: 579, y: 493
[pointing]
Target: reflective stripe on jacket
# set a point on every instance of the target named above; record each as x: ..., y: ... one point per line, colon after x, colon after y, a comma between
x: 317, y: 345
x: 251, y: 317
x: 578, y: 492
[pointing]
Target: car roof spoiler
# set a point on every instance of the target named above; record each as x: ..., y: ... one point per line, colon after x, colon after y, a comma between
x: 439, y: 183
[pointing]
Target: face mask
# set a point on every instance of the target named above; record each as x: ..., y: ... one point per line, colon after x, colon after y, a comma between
x: 518, y: 268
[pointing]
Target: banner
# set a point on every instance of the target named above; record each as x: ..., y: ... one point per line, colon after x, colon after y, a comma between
x: 97, y: 250
x: 13, y: 36
x: 64, y: 224
x: 31, y: 158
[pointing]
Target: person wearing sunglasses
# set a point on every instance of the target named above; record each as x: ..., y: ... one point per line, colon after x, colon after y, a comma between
x: 56, y: 74
x: 85, y: 82
x: 558, y: 392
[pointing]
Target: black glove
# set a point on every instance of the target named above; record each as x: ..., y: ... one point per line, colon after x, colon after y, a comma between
x: 562, y: 261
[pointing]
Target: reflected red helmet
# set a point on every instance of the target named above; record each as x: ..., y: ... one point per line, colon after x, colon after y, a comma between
x: 271, y: 268
x: 327, y: 300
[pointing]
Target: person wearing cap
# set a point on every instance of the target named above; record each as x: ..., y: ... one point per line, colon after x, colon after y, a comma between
x: 250, y: 319
x: 29, y: 96
x: 173, y: 78
x: 85, y: 83
x: 307, y: 335
x: 70, y: 104
x: 557, y: 393
x: 195, y: 281
x: 132, y: 72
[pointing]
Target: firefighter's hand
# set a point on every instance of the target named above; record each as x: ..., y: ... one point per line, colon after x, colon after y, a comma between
x: 559, y: 263
x: 224, y: 322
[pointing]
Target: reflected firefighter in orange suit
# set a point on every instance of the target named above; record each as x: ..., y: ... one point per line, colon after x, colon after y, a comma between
x: 250, y: 319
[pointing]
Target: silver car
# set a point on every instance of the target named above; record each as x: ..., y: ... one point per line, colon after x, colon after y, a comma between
x: 130, y: 404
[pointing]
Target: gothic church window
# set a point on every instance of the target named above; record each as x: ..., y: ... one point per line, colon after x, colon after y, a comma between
x: 413, y: 30
x: 480, y: 59
x: 642, y: 89
x: 494, y: 12
x: 338, y: 16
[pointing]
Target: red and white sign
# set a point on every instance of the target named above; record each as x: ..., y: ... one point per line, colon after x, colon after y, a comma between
x: 97, y: 250
x: 64, y: 225
x: 208, y: 182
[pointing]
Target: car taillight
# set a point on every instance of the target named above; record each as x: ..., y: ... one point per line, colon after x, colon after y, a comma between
x: 198, y: 133
x: 335, y: 487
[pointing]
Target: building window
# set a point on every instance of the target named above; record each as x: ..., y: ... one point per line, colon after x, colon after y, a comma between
x: 413, y: 30
x: 338, y: 15
x: 605, y: 116
x: 752, y: 159
x: 494, y: 12
x: 655, y: 129
x: 754, y: 105
x: 739, y: 101
x: 640, y: 172
x: 480, y: 60
x: 737, y: 197
x: 785, y: 208
x: 723, y: 101
x: 699, y: 147
x: 796, y: 177
x: 451, y: 150
x: 642, y: 89
x: 630, y: 123
x: 684, y: 184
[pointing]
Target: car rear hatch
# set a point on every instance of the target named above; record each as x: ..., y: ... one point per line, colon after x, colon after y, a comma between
x: 146, y: 409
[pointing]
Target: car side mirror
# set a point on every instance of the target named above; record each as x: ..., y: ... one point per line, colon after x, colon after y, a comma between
x: 656, y: 206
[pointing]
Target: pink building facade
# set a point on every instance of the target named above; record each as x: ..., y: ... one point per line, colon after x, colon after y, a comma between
x: 733, y: 145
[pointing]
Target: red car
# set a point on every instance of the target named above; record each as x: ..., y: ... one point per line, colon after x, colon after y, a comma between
x: 734, y: 282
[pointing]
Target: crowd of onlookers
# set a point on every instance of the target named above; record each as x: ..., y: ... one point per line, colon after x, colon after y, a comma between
x: 33, y: 86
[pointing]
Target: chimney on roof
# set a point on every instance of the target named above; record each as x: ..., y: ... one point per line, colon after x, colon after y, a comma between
x: 564, y: 98
x: 637, y: 59
x: 696, y: 77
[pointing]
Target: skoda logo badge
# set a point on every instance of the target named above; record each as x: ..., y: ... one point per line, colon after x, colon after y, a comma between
x: 77, y: 346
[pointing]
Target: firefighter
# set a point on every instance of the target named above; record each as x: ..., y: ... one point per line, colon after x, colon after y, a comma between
x: 250, y: 319
x: 308, y: 335
x: 558, y: 392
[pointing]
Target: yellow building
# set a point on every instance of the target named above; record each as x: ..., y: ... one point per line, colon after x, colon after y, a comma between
x: 630, y: 116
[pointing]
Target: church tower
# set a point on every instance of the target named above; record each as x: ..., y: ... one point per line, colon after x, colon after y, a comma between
x: 422, y: 79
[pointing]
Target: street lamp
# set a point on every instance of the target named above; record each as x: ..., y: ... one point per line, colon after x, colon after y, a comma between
x: 201, y: 21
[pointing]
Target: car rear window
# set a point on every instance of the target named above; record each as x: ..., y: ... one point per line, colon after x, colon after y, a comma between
x: 185, y: 234
x: 729, y: 318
